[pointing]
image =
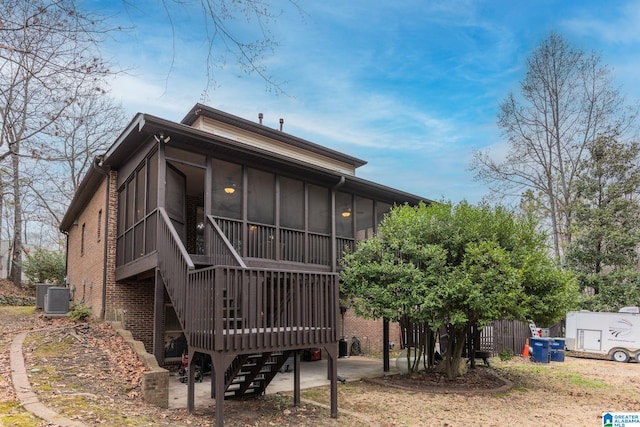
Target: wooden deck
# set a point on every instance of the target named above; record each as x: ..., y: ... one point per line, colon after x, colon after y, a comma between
x: 238, y: 315
x: 249, y: 309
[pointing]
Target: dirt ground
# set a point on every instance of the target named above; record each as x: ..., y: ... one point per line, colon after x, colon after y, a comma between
x: 86, y: 372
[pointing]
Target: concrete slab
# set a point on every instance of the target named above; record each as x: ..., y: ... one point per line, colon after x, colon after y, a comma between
x: 312, y: 374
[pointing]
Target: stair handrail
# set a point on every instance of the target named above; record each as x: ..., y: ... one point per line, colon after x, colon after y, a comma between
x: 232, y: 253
x: 173, y: 264
x: 176, y: 238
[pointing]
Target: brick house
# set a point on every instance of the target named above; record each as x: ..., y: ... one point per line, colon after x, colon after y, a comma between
x: 221, y: 236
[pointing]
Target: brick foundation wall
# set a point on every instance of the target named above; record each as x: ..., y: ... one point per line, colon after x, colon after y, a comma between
x: 132, y: 304
x: 85, y: 265
x: 368, y: 331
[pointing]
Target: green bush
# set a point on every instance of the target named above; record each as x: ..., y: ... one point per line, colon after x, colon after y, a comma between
x: 45, y: 266
x: 506, y: 354
x: 80, y: 313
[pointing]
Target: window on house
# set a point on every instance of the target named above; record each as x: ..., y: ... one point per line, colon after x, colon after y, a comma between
x: 82, y: 239
x: 99, y: 224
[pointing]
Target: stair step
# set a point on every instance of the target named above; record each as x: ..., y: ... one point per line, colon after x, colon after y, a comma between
x: 252, y: 376
x: 246, y: 374
x: 237, y: 380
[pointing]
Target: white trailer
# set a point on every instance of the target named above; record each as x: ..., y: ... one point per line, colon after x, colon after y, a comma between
x: 614, y: 336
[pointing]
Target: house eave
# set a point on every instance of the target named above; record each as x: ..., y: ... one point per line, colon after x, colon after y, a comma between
x: 88, y: 186
x: 145, y: 126
x: 259, y: 129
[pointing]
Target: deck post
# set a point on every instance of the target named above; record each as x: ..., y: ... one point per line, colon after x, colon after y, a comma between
x: 158, y: 314
x: 191, y: 384
x: 385, y: 344
x: 219, y: 367
x: 296, y: 378
x: 333, y: 363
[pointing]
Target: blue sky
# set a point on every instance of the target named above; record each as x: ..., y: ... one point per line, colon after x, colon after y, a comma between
x: 412, y: 87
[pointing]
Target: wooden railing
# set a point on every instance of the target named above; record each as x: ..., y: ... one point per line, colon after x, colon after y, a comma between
x: 319, y: 249
x: 342, y: 244
x: 283, y: 244
x: 261, y: 241
x: 292, y: 242
x: 174, y: 265
x: 221, y: 250
x: 254, y: 310
x: 232, y: 229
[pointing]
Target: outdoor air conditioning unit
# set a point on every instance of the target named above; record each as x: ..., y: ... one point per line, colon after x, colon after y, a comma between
x: 41, y: 292
x: 57, y: 300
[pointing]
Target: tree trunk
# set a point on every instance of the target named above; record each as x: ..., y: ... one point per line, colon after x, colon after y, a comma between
x: 16, y: 255
x: 455, y: 347
x: 431, y: 349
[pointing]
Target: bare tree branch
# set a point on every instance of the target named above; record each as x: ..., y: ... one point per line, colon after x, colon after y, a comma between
x: 566, y: 101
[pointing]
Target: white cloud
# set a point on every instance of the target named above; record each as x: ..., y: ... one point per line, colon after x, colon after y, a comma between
x: 616, y: 27
x: 411, y: 87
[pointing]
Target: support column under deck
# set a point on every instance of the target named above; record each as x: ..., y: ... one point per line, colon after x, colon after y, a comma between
x: 385, y: 344
x: 218, y: 370
x: 219, y: 364
x: 191, y: 384
x: 332, y: 352
x: 158, y: 315
x: 296, y: 378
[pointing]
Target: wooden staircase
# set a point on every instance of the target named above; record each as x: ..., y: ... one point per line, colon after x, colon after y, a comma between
x: 250, y: 374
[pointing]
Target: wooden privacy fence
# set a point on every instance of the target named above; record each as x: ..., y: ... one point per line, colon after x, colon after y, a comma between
x: 497, y: 336
x: 501, y: 335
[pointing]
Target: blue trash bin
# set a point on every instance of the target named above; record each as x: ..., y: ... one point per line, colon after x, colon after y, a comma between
x: 540, y: 349
x: 556, y: 352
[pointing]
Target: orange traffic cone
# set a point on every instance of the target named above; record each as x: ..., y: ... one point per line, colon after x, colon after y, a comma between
x: 525, y: 350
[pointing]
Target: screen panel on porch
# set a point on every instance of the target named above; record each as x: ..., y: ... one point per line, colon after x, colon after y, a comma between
x: 292, y: 215
x: 261, y: 214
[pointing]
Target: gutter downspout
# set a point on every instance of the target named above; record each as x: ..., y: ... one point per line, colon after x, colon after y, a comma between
x: 66, y: 259
x: 333, y: 222
x: 97, y: 165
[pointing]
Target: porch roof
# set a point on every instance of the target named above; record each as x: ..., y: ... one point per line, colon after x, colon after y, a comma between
x: 145, y: 126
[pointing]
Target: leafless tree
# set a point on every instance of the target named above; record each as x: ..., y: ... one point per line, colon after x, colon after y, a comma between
x: 50, y: 79
x: 246, y: 49
x: 47, y: 62
x: 566, y: 101
x: 66, y: 150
